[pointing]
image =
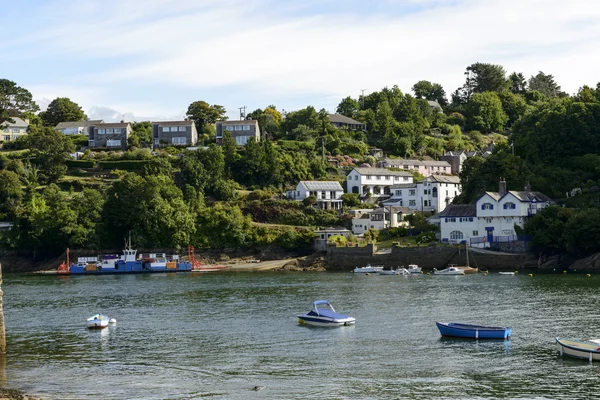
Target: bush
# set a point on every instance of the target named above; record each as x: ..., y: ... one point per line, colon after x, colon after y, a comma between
x: 351, y: 199
x: 259, y: 195
x: 309, y: 201
x: 426, y: 237
x: 80, y: 163
x: 393, y: 233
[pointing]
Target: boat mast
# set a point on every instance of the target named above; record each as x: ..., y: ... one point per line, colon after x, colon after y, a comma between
x: 467, y: 250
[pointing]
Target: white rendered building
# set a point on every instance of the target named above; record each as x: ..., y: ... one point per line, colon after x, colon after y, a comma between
x: 432, y: 194
x: 375, y: 181
x: 328, y: 193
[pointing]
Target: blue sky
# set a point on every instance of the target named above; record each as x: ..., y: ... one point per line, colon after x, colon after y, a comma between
x: 149, y: 59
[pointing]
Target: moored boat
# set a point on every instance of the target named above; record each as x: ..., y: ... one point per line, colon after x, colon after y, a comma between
x: 323, y: 314
x: 368, y: 269
x: 397, y: 271
x: 506, y: 273
x: 467, y: 331
x: 587, y: 350
x: 97, y: 321
x: 414, y: 269
x: 451, y: 270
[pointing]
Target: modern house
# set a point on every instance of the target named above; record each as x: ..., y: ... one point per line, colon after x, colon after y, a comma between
x: 328, y: 193
x: 14, y: 130
x: 492, y: 218
x: 109, y: 135
x: 380, y: 218
x: 424, y: 167
x: 240, y: 130
x: 322, y: 236
x: 76, y: 127
x: 375, y: 181
x: 432, y: 194
x: 342, y: 122
x: 174, y: 133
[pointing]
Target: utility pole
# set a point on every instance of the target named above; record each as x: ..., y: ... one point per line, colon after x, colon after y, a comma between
x: 323, y: 147
x: 242, y: 112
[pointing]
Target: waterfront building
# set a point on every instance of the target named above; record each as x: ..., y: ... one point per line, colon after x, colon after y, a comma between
x: 327, y: 193
x: 432, y: 194
x: 375, y: 182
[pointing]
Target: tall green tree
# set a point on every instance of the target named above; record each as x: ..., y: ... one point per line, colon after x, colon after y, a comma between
x: 546, y: 85
x: 62, y: 109
x: 481, y: 77
x: 49, y: 151
x: 348, y: 107
x: 484, y: 113
x: 518, y: 83
x: 204, y: 114
x: 15, y: 101
x: 430, y: 91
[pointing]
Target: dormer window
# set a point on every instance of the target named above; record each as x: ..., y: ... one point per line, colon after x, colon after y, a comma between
x: 510, y: 206
x: 487, y: 206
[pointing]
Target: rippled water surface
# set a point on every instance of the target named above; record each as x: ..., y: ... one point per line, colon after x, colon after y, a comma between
x: 216, y: 336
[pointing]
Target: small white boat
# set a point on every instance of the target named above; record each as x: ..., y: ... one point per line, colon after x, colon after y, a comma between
x: 397, y: 271
x: 323, y: 314
x: 587, y: 350
x: 414, y: 269
x: 369, y: 268
x: 506, y: 273
x: 449, y: 271
x: 97, y: 321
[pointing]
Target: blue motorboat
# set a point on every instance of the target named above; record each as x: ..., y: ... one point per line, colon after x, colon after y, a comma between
x: 323, y: 314
x: 466, y: 331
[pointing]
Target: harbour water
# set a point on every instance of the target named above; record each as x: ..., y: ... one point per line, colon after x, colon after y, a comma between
x: 217, y: 336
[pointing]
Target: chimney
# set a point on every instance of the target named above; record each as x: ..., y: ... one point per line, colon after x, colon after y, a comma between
x: 502, y: 187
x: 527, y: 186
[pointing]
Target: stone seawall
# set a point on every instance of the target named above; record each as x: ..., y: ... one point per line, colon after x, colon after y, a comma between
x: 427, y: 257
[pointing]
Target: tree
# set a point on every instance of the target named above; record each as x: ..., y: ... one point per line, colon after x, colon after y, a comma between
x: 546, y: 85
x: 14, y: 101
x: 62, y: 109
x: 158, y: 166
x: 548, y: 228
x: 222, y: 227
x: 351, y: 199
x: 348, y: 107
x: 204, y: 114
x: 371, y: 235
x: 49, y: 151
x: 518, y: 83
x: 484, y: 113
x: 141, y: 134
x: 481, y: 77
x: 514, y: 105
x: 430, y: 91
x: 10, y: 192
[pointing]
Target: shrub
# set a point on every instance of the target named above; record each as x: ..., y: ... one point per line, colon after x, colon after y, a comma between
x: 127, y: 165
x: 80, y: 163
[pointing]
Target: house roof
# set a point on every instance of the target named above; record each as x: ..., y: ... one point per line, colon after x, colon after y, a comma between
x: 494, y: 195
x: 403, y: 161
x: 459, y: 210
x: 380, y: 171
x: 78, y: 124
x: 342, y: 119
x: 446, y: 178
x: 399, y: 209
x: 173, y: 123
x: 111, y: 125
x: 18, y: 123
x: 331, y: 230
x: 239, y: 122
x: 322, y: 185
x: 434, y: 104
x: 529, y: 196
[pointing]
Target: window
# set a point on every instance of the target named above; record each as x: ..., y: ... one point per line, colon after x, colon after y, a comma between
x: 101, y: 131
x: 356, y: 178
x: 507, y: 232
x: 397, y: 178
x: 369, y: 177
x: 7, y: 130
x: 179, y: 140
x: 387, y: 178
x: 378, y: 177
x: 117, y: 130
x: 323, y: 195
x: 406, y: 179
x: 470, y: 219
x: 487, y: 206
x: 398, y: 192
x: 450, y: 219
x: 456, y: 235
x: 229, y: 127
x: 109, y: 131
x: 406, y: 167
x: 488, y: 220
x: 113, y: 143
x: 16, y: 130
x: 242, y: 140
x: 182, y: 129
x: 245, y: 127
x: 475, y: 233
x: 7, y: 137
x: 165, y: 129
x: 411, y: 192
x: 332, y: 195
x: 412, y: 203
x: 510, y: 206
x: 238, y: 127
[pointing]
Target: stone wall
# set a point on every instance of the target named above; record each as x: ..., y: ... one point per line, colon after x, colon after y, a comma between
x: 427, y: 257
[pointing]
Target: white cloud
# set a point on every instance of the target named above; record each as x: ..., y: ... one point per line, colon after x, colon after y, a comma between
x: 259, y: 47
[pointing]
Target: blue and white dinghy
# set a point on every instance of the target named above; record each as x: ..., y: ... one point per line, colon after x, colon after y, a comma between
x: 323, y: 314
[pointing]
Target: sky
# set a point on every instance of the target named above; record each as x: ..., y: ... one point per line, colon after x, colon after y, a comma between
x: 149, y: 59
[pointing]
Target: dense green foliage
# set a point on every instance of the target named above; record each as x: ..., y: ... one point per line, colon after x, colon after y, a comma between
x: 62, y: 109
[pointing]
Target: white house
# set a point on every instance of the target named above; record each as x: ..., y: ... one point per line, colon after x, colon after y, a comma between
x: 381, y: 218
x: 376, y: 181
x: 492, y: 218
x: 328, y: 193
x: 424, y: 167
x: 76, y: 127
x: 432, y: 194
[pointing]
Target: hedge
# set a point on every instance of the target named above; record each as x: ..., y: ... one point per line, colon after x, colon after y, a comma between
x: 80, y: 163
x: 127, y: 165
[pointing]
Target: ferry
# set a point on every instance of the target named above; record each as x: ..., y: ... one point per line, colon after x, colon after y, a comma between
x: 127, y: 263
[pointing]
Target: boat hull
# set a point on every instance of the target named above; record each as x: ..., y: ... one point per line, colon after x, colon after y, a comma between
x: 448, y: 272
x: 135, y: 267
x: 325, y: 322
x: 364, y: 270
x: 466, y: 331
x: 97, y: 322
x: 578, y: 349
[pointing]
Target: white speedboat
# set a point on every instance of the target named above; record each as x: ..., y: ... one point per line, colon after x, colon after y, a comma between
x: 397, y: 271
x: 449, y: 271
x: 506, y: 273
x: 323, y: 314
x: 369, y: 268
x: 414, y: 269
x: 97, y: 321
